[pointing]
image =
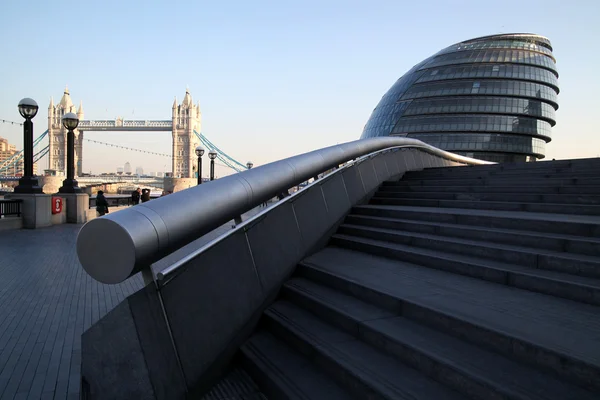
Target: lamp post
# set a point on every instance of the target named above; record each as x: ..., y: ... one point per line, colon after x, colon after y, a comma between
x: 28, y: 183
x: 212, y: 155
x: 70, y: 121
x: 249, y: 164
x: 199, y: 153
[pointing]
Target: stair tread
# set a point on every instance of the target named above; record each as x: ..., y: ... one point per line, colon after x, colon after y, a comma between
x: 580, y: 219
x: 529, y: 189
x: 397, y: 195
x: 290, y: 369
x: 381, y: 372
x: 492, y: 202
x: 540, y: 235
x: 559, y: 325
x: 484, y: 365
x: 500, y: 246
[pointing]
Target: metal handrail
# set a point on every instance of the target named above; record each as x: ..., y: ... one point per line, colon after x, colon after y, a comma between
x: 10, y: 207
x: 114, y: 247
x: 167, y: 274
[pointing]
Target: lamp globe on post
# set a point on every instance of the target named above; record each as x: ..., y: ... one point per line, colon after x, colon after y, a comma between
x: 70, y: 185
x: 249, y: 164
x: 199, y: 153
x: 28, y: 183
x: 212, y: 155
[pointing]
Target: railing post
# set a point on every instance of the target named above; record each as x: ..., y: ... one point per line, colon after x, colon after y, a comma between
x: 236, y: 221
x: 147, y: 275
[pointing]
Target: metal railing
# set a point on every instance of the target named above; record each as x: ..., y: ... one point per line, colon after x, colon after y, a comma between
x: 144, y: 234
x: 10, y: 207
x: 117, y: 200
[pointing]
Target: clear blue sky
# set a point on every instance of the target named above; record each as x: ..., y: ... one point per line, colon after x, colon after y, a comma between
x: 274, y: 78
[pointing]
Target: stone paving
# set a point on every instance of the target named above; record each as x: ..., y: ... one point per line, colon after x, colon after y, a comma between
x: 47, y: 301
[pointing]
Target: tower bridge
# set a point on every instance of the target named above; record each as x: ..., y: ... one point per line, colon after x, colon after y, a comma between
x: 184, y: 125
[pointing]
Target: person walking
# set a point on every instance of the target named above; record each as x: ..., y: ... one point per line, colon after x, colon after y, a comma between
x: 135, y: 196
x: 101, y: 204
x: 145, y: 195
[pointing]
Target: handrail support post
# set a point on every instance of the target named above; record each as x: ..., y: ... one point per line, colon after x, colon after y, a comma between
x: 147, y: 276
x: 236, y: 221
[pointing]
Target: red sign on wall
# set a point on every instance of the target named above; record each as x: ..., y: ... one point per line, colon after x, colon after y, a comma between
x: 57, y: 205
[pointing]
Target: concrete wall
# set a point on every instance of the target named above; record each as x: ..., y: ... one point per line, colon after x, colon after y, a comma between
x: 51, y: 184
x: 10, y: 222
x: 177, y: 184
x: 91, y: 212
x: 211, y: 307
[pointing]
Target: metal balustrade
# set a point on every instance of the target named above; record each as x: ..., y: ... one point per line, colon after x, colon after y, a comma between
x: 144, y: 234
x: 10, y: 207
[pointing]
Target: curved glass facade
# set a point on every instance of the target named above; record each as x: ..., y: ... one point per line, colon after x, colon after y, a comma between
x: 492, y: 98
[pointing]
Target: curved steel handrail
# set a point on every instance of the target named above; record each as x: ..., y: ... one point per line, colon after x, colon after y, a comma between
x: 116, y: 246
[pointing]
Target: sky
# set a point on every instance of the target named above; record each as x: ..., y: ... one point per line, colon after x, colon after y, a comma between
x: 273, y: 78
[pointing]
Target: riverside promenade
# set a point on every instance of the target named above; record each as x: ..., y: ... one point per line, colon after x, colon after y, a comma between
x: 47, y: 301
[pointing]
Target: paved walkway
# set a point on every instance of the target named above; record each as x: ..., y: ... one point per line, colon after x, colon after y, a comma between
x: 47, y: 301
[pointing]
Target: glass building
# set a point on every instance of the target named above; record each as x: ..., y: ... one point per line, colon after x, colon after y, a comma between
x: 492, y: 98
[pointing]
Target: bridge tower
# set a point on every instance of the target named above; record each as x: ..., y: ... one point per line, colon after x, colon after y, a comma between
x: 57, y: 135
x: 186, y: 119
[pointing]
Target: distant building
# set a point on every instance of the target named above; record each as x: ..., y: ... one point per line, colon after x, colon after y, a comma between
x: 127, y: 168
x: 492, y: 98
x: 151, y: 173
x: 8, y: 151
x: 119, y: 170
x: 139, y: 171
x: 160, y: 174
x: 57, y: 135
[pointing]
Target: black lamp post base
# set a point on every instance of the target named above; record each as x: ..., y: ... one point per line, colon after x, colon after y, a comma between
x: 69, y: 186
x: 28, y: 184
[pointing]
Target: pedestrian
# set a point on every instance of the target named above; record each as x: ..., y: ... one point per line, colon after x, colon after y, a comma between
x: 145, y: 195
x: 135, y: 196
x: 101, y: 204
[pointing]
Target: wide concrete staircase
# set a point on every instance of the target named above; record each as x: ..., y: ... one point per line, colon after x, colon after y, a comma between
x: 453, y: 283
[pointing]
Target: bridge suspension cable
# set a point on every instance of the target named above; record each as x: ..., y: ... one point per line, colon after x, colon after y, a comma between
x: 11, y: 122
x: 128, y: 148
x: 226, y: 160
x: 221, y: 155
x: 6, y: 165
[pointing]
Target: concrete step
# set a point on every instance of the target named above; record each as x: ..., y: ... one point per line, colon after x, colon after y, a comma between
x: 580, y: 209
x: 283, y: 373
x: 533, y: 175
x: 359, y: 368
x: 535, y: 258
x: 579, y: 225
x: 546, y: 332
x: 521, y: 180
x: 587, y: 163
x: 468, y: 369
x: 552, y: 282
x: 402, y: 186
x: 452, y: 173
x: 539, y: 240
x: 510, y: 197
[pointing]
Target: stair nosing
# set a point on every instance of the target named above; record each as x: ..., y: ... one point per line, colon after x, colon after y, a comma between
x: 480, y: 262
x: 468, y: 368
x: 551, y: 235
x: 536, y: 216
x: 370, y: 378
x: 483, y: 243
x: 456, y: 316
